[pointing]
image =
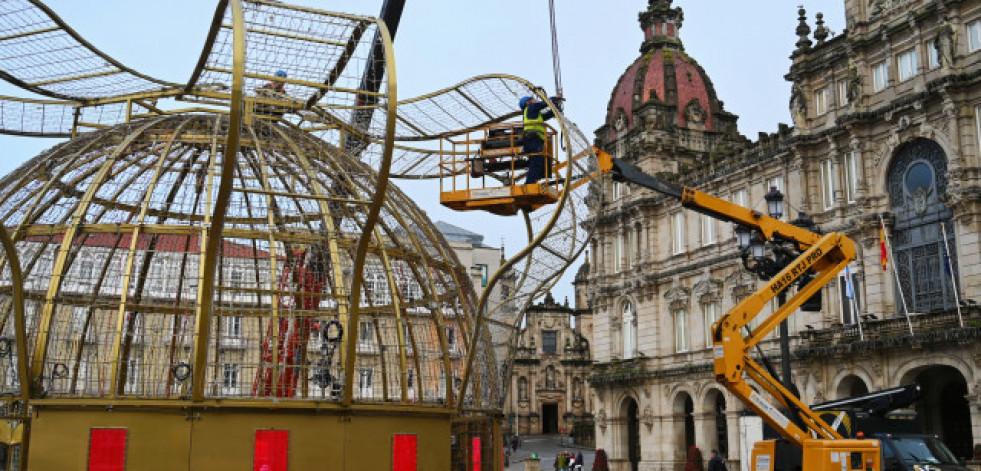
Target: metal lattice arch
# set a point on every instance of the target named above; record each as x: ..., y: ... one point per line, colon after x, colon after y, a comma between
x: 212, y: 260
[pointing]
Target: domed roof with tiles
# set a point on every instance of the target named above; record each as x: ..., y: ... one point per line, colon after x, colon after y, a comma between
x: 663, y: 75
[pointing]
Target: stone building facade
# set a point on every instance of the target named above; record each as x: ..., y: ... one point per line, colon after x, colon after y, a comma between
x: 887, y: 125
x: 548, y: 393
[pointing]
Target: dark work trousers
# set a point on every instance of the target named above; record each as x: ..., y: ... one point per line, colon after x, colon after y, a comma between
x: 533, y: 144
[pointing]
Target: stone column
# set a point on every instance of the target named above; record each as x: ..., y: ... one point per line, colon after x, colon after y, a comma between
x: 974, y: 403
x: 533, y: 406
x: 568, y: 391
x: 674, y: 445
x: 705, y: 438
x: 732, y: 432
x: 617, y: 430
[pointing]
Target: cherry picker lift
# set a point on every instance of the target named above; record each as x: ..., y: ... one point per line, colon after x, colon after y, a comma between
x: 478, y: 172
x: 820, y: 259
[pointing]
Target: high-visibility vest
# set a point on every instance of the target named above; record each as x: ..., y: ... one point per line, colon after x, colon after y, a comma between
x: 536, y: 125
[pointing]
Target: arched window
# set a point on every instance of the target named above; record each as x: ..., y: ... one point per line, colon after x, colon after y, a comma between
x: 629, y: 330
x: 523, y: 388
x: 917, y: 186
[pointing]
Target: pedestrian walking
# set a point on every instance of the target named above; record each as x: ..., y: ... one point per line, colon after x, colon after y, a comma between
x: 563, y: 461
x: 716, y: 463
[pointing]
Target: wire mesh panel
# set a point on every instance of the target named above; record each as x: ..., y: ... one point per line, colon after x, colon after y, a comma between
x: 42, y: 54
x: 34, y: 118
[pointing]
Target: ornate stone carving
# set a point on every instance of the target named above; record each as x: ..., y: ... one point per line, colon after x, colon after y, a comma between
x: 877, y: 370
x: 821, y: 32
x: 819, y: 397
x: 694, y: 113
x: 708, y: 288
x: 648, y: 417
x: 677, y: 296
x: 601, y: 419
x: 803, y: 30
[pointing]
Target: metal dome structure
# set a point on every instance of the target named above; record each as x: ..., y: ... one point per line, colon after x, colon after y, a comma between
x: 113, y: 232
x: 239, y: 270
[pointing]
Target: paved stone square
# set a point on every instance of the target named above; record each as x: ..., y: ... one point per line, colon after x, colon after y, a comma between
x: 547, y: 447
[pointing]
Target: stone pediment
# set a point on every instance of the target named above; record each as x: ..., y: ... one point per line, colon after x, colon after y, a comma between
x: 740, y: 278
x: 708, y: 287
x: 678, y: 296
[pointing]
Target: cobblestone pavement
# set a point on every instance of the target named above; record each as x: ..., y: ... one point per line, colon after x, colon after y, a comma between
x: 547, y: 447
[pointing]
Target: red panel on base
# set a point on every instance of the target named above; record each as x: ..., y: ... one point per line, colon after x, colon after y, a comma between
x: 404, y: 453
x: 476, y: 454
x: 107, y: 449
x: 271, y: 450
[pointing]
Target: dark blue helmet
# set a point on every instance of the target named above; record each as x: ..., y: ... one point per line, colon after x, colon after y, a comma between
x: 281, y: 73
x: 524, y: 101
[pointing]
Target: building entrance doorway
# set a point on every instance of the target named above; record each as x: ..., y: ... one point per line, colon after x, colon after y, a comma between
x: 944, y: 409
x: 633, y: 434
x: 550, y: 418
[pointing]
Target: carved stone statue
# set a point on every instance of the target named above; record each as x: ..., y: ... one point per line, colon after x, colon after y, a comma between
x: 945, y: 45
x: 798, y: 106
x: 694, y: 113
x: 854, y: 90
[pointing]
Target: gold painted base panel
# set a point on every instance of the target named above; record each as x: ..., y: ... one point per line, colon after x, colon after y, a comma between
x: 224, y: 439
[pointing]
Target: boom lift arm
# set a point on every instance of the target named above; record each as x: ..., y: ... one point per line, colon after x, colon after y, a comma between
x: 822, y: 255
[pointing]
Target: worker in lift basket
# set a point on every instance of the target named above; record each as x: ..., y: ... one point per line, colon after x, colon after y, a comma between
x: 533, y: 119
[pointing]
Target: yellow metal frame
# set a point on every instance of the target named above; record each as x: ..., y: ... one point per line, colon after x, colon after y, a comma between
x: 20, y: 324
x: 373, y: 212
x: 212, y: 247
x: 210, y: 228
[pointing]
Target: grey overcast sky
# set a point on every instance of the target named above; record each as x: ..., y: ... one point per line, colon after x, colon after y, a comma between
x: 744, y: 46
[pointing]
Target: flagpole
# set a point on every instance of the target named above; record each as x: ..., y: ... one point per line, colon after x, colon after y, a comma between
x: 899, y: 286
x: 950, y: 269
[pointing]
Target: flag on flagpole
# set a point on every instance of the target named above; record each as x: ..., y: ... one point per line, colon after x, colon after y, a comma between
x: 883, y: 251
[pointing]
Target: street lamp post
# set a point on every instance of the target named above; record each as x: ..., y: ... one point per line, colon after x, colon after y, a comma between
x: 767, y: 258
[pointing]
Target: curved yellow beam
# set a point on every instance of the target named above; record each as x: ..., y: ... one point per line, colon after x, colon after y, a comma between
x: 373, y: 212
x: 20, y: 326
x: 206, y: 291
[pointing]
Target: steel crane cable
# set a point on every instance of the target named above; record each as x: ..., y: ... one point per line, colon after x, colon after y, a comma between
x: 556, y: 63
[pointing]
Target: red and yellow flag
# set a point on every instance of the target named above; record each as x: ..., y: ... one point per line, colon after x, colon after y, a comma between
x: 884, y: 253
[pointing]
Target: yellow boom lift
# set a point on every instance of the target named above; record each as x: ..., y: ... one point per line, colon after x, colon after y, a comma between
x: 821, y: 258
